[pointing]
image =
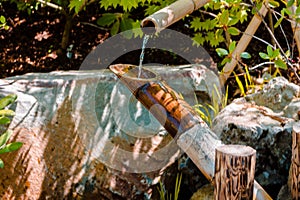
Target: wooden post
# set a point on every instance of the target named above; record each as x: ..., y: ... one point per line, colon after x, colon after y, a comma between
x: 234, y: 172
x: 296, y: 162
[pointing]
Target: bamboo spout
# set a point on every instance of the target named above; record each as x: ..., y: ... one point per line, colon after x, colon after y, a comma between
x: 165, y: 104
x: 190, y: 132
x: 171, y: 14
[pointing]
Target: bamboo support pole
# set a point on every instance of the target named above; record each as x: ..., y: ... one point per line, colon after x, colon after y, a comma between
x: 190, y: 132
x: 243, y: 43
x: 295, y: 27
x: 234, y: 172
x: 295, y: 188
x: 171, y: 14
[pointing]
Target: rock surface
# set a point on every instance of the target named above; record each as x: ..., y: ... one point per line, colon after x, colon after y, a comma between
x: 85, y: 137
x: 264, y: 121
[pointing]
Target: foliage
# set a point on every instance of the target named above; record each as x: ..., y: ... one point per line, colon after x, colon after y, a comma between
x: 218, y: 20
x: 208, y: 111
x: 3, y: 23
x: 124, y: 20
x: 164, y: 195
x: 5, y: 120
x: 228, y: 53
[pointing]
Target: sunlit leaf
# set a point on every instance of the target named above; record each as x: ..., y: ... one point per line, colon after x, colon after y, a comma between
x: 9, y: 99
x: 4, y: 138
x: 77, y: 5
x: 224, y: 18
x: 280, y: 64
x: 4, y: 120
x: 233, y: 31
x: 264, y: 55
x: 221, y: 52
x: 232, y: 46
x: 273, y: 3
x: 7, y: 113
x: 198, y: 39
x: 245, y: 55
x: 2, y: 19
x: 225, y: 60
x: 278, y: 22
x: 290, y: 3
x: 270, y: 51
x: 11, y: 147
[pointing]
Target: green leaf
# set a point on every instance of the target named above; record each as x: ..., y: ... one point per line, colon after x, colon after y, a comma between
x: 232, y: 46
x: 273, y: 3
x: 198, y: 39
x: 126, y: 24
x: 280, y: 64
x: 11, y: 147
x: 270, y: 51
x: 290, y: 3
x: 4, y: 120
x: 7, y: 113
x: 224, y: 18
x: 221, y: 52
x: 1, y: 164
x: 233, y: 31
x: 196, y: 24
x: 107, y: 19
x: 2, y: 19
x: 4, y: 138
x: 76, y: 5
x: 298, y: 11
x: 129, y: 4
x: 264, y: 56
x: 233, y: 21
x: 278, y: 22
x: 115, y: 28
x: 276, y: 53
x: 107, y: 3
x: 245, y: 55
x: 225, y: 60
x: 9, y: 99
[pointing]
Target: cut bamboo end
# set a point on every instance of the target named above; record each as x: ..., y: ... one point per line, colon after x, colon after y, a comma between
x: 234, y: 172
x: 295, y: 188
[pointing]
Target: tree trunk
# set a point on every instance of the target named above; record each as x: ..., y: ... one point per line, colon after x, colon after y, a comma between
x: 66, y: 33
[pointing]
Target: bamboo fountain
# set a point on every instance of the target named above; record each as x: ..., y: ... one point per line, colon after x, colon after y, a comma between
x: 189, y: 131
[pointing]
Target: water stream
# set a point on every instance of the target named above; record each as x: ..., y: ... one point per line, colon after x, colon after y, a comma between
x: 145, y: 40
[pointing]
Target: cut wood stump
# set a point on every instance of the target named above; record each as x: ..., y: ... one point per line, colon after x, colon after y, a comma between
x: 234, y: 172
x: 296, y: 162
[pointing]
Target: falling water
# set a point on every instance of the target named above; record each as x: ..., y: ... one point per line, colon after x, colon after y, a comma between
x: 145, y: 40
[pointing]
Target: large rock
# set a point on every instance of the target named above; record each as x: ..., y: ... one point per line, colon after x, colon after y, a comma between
x: 264, y: 121
x: 85, y: 137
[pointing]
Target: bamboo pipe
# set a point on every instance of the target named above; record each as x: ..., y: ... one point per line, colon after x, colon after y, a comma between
x: 295, y: 26
x: 171, y: 14
x: 190, y: 132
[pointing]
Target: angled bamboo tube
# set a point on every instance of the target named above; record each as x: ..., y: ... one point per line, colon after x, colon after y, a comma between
x: 171, y: 14
x: 190, y: 132
x: 243, y: 43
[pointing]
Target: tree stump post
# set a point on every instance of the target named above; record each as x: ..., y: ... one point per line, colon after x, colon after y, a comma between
x: 234, y: 172
x: 296, y: 162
